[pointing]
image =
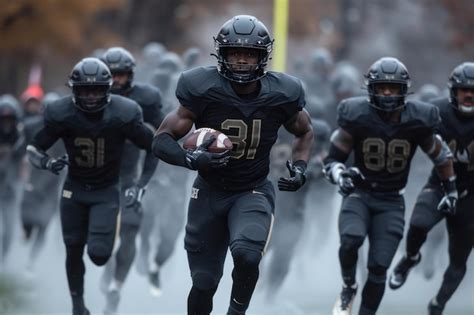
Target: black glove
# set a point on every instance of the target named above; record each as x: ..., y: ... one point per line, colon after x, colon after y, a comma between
x: 201, y: 160
x: 55, y: 165
x: 297, y: 176
x: 348, y: 180
x: 133, y: 195
x: 447, y: 205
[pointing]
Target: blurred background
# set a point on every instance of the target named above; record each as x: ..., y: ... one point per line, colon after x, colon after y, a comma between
x: 330, y: 45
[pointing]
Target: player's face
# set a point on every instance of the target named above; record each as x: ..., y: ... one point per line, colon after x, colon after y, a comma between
x: 7, y: 124
x: 465, y: 97
x: 242, y: 59
x: 120, y: 79
x: 90, y: 95
x: 387, y: 89
x: 33, y: 106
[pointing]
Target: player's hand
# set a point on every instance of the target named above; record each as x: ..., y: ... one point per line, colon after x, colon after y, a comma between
x: 200, y: 159
x: 133, y: 195
x: 348, y: 180
x: 447, y: 205
x: 295, y: 181
x: 55, y: 165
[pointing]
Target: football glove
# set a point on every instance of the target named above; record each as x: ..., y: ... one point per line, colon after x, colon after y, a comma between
x: 133, y: 195
x: 297, y: 176
x: 55, y: 165
x: 200, y: 159
x: 348, y: 180
x: 447, y: 205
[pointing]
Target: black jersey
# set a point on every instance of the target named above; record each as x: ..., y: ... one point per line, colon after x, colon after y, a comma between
x: 149, y: 100
x: 383, y: 150
x: 94, y: 143
x: 252, y: 125
x: 12, y: 147
x: 458, y: 132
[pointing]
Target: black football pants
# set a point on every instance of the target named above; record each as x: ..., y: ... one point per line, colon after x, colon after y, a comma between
x: 218, y: 220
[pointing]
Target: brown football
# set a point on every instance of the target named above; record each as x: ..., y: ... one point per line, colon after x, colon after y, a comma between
x: 195, y: 139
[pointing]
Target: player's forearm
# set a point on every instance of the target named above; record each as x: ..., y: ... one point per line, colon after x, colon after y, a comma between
x: 149, y: 167
x: 37, y: 157
x: 302, y: 146
x: 445, y: 171
x: 166, y: 148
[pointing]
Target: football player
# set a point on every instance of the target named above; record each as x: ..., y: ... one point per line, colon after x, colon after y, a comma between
x: 457, y: 128
x: 122, y: 66
x: 232, y: 201
x: 93, y: 125
x: 40, y: 198
x: 12, y: 146
x: 383, y: 131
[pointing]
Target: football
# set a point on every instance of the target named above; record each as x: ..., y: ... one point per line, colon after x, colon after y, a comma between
x: 221, y: 144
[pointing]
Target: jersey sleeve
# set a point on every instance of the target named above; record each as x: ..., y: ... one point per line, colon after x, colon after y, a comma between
x: 186, y: 96
x: 153, y: 112
x: 297, y: 104
x: 431, y: 124
x: 344, y: 117
x: 50, y: 132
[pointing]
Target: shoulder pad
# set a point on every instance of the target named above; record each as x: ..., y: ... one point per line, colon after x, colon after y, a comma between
x: 145, y: 94
x: 426, y: 113
x: 286, y: 87
x: 124, y: 109
x: 59, y: 109
x: 196, y: 82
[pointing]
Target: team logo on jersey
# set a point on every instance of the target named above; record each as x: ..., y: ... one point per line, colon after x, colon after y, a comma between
x: 194, y: 193
x: 67, y: 194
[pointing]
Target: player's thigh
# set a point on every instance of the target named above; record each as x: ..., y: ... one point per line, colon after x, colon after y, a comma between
x: 207, y: 237
x: 425, y: 214
x: 250, y: 219
x: 74, y: 216
x: 104, y: 217
x: 354, y: 217
x: 386, y: 232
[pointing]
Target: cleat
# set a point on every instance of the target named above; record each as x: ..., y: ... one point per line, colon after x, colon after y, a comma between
x: 343, y: 305
x: 155, y: 283
x: 402, y: 269
x: 434, y: 308
x: 80, y: 311
x: 112, y: 301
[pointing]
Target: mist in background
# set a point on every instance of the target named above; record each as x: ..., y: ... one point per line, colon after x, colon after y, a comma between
x: 431, y: 37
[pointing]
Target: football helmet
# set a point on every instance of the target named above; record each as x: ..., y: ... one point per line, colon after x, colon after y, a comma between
x: 120, y: 60
x: 91, y: 83
x: 461, y: 77
x: 387, y: 70
x: 243, y: 31
x: 10, y: 115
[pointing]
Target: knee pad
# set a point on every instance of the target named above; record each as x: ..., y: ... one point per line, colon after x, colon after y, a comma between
x: 377, y: 274
x: 98, y: 254
x: 244, y: 257
x: 351, y: 242
x: 205, y: 281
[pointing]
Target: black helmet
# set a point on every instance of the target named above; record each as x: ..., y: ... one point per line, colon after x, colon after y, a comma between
x: 90, y: 74
x: 387, y: 70
x: 120, y: 60
x: 10, y: 114
x: 243, y: 31
x: 461, y: 77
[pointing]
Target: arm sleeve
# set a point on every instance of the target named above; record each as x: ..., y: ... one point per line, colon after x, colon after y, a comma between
x: 149, y: 167
x: 139, y: 133
x: 167, y: 149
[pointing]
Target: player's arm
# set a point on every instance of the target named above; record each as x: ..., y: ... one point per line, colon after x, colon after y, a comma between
x: 339, y: 149
x: 37, y: 155
x: 138, y: 132
x: 165, y: 146
x: 300, y: 126
x: 439, y: 152
x: 175, y: 126
x: 149, y: 165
